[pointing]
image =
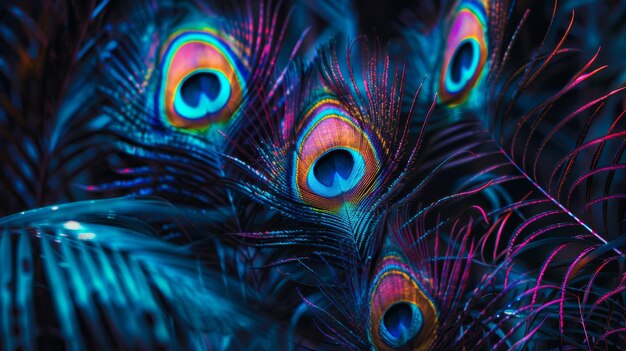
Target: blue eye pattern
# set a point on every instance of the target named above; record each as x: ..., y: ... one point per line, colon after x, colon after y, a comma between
x: 465, y: 54
x: 203, y: 80
x: 335, y: 161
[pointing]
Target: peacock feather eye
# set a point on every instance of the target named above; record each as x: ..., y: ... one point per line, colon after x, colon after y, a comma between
x: 465, y: 53
x: 402, y: 316
x: 335, y: 160
x: 203, y: 80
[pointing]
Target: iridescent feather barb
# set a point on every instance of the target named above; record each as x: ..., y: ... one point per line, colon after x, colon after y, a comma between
x: 426, y: 288
x: 452, y: 179
x: 565, y: 227
x: 180, y: 87
x: 48, y: 131
x: 334, y: 148
x: 74, y: 274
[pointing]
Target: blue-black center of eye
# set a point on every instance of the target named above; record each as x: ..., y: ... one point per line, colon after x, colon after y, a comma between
x: 338, y: 162
x: 463, y: 57
x: 398, y: 318
x: 193, y: 87
x: 401, y: 323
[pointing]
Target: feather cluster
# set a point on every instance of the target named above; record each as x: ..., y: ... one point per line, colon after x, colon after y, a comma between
x: 312, y: 175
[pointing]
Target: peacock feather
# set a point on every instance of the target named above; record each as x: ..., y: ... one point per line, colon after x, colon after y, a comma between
x: 287, y: 175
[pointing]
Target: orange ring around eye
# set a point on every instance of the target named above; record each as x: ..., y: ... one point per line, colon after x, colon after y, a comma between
x: 466, y: 33
x: 190, y: 53
x: 332, y: 133
x: 395, y: 285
